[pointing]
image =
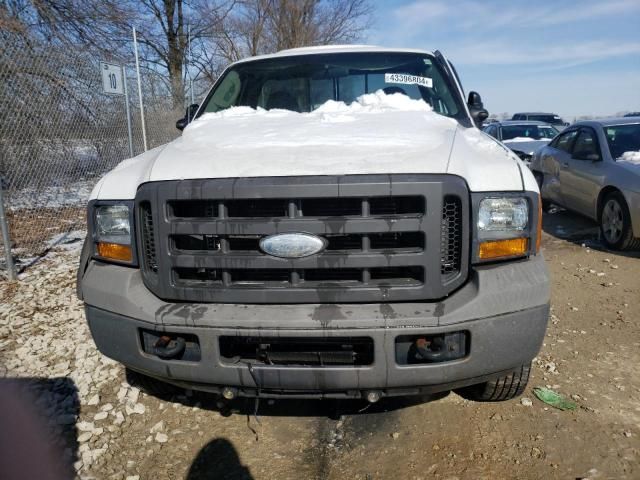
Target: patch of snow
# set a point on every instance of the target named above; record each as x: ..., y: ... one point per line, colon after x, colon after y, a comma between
x: 52, y: 196
x: 68, y: 240
x: 377, y: 133
x: 632, y: 157
x: 526, y: 139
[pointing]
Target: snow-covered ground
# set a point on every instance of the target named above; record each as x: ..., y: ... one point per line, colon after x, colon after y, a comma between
x: 53, y: 196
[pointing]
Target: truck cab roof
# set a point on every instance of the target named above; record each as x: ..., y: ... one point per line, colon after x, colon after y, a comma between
x: 326, y: 49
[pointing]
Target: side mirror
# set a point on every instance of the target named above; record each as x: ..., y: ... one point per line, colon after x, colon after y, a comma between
x: 180, y: 124
x: 188, y: 116
x: 476, y: 108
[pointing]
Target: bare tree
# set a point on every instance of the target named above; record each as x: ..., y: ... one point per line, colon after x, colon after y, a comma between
x: 221, y: 31
x: 256, y: 27
x: 298, y: 23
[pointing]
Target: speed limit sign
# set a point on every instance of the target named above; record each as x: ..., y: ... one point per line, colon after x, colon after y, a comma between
x: 112, y: 78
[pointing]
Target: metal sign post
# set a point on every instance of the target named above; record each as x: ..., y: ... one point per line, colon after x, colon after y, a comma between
x: 6, y: 239
x: 144, y: 129
x: 114, y: 82
x: 126, y: 102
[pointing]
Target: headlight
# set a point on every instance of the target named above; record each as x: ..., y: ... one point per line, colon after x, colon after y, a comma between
x: 504, y: 226
x: 111, y: 225
x: 502, y: 216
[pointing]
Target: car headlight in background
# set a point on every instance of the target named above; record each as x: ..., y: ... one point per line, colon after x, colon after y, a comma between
x: 503, y: 227
x: 112, y: 232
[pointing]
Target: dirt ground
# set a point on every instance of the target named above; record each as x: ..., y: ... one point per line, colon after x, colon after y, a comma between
x: 591, y: 354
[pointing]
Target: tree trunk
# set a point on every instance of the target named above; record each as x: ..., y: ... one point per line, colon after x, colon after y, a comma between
x: 175, y: 75
x: 176, y: 49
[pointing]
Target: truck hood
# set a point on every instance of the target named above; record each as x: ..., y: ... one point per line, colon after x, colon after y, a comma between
x: 376, y: 134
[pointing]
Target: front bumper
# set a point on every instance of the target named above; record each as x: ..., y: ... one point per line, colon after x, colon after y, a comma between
x: 504, y: 308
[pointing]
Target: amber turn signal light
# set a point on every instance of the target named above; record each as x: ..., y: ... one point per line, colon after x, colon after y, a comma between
x: 495, y: 249
x: 114, y: 251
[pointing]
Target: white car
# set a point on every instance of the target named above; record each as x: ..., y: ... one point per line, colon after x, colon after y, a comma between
x: 331, y: 225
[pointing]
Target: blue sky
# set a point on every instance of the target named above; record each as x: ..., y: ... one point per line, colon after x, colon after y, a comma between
x: 569, y: 57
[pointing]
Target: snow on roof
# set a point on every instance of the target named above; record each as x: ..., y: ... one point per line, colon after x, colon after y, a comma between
x: 316, y: 50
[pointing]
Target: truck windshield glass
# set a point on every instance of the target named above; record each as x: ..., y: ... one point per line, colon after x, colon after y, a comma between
x: 303, y: 83
x: 623, y: 139
x: 533, y: 132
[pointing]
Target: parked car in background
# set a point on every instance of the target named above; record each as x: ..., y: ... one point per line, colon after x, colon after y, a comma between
x: 550, y: 118
x: 593, y: 168
x: 523, y: 137
x: 632, y: 114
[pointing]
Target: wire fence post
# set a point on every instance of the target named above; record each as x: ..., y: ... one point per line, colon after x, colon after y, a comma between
x: 126, y: 102
x: 144, y: 129
x: 6, y: 239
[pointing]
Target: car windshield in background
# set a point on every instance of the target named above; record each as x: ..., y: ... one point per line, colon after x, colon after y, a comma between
x: 534, y: 132
x: 303, y: 83
x: 550, y: 119
x: 623, y: 138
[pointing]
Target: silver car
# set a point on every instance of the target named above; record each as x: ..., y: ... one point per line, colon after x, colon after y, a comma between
x: 593, y: 168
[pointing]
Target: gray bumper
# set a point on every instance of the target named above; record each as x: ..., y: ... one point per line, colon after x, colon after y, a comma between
x: 503, y: 307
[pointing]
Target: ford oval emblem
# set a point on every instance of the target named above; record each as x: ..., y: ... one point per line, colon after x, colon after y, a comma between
x: 292, y: 245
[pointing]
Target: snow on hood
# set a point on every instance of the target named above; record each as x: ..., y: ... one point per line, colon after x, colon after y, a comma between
x: 527, y: 139
x: 377, y: 133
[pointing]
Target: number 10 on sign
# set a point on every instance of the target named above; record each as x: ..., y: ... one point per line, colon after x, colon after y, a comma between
x: 113, y: 82
x: 112, y: 78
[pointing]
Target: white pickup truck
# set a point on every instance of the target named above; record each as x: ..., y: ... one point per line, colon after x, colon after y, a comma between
x: 330, y: 224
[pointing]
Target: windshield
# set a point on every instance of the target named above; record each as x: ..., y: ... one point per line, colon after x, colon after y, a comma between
x: 551, y: 119
x: 303, y: 83
x: 533, y: 132
x: 623, y: 139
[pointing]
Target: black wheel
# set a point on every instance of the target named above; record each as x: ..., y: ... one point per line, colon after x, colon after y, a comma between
x: 500, y: 389
x: 546, y: 204
x: 615, y: 223
x: 151, y: 385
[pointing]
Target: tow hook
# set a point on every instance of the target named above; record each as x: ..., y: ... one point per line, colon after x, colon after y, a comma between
x: 168, y: 348
x: 431, y: 350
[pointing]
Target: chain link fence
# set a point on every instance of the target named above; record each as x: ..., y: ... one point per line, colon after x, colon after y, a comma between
x: 59, y: 134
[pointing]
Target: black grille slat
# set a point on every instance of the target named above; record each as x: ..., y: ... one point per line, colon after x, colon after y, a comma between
x: 305, y: 207
x: 308, y: 278
x: 396, y: 206
x: 389, y: 238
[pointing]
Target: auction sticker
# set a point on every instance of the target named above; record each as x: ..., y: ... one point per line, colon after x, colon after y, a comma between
x: 407, y: 79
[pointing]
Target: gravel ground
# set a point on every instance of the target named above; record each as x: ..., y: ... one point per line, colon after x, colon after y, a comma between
x: 106, y: 428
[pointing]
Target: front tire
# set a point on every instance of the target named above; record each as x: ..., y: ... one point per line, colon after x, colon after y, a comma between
x: 615, y: 223
x: 500, y: 389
